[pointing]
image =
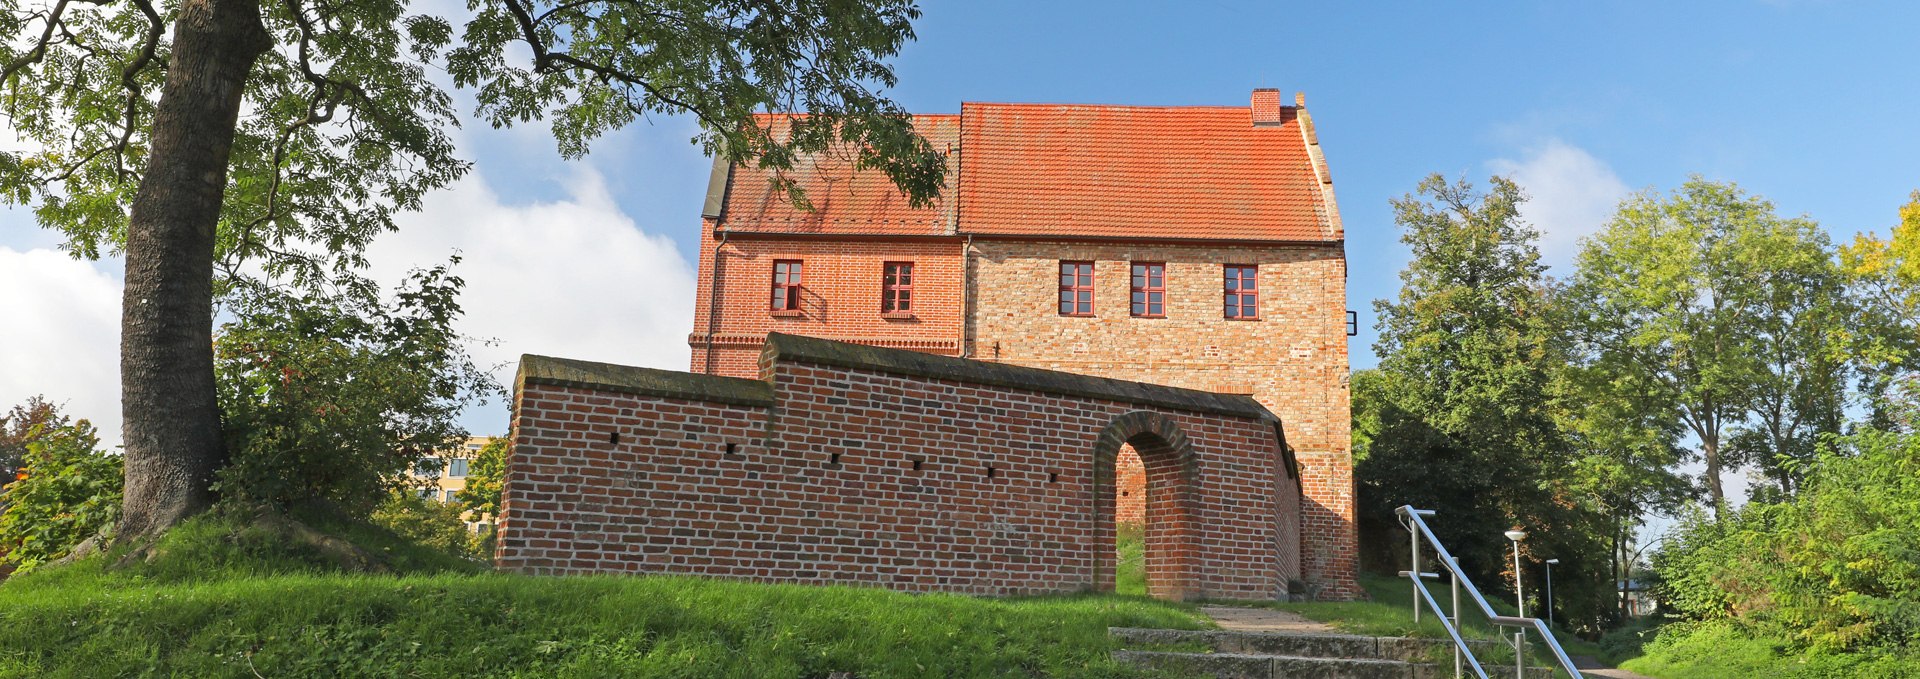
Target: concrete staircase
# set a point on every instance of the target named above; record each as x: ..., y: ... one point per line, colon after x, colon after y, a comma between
x: 1274, y: 655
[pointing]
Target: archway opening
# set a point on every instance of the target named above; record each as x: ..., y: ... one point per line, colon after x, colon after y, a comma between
x: 1130, y: 524
x: 1144, y: 490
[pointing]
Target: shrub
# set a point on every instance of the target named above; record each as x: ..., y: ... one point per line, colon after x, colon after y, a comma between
x: 331, y: 397
x: 429, y: 523
x: 70, y: 492
x: 1836, y: 569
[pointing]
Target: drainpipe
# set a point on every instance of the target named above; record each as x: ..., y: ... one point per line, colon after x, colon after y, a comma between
x: 713, y: 298
x: 966, y: 296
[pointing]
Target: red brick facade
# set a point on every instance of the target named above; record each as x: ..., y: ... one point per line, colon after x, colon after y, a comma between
x: 1197, y: 189
x: 855, y: 465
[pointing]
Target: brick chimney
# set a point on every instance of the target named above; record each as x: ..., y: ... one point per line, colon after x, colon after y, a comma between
x: 1266, y: 107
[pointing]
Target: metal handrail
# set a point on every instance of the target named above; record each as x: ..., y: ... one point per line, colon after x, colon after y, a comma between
x: 1417, y: 527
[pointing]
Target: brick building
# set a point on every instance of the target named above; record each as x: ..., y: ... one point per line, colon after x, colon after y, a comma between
x: 1196, y: 247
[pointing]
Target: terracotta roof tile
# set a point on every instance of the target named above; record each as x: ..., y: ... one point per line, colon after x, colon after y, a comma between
x: 1053, y: 170
x: 843, y: 200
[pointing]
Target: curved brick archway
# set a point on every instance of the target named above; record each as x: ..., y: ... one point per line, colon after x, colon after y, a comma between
x: 1172, y: 474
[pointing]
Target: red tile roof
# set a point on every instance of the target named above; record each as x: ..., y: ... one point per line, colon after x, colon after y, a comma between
x: 844, y: 201
x: 1053, y: 170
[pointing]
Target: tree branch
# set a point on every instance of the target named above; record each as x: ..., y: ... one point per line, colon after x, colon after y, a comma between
x: 39, y: 51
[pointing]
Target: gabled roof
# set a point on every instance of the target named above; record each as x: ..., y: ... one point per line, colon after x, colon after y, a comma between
x: 1062, y: 171
x: 844, y: 201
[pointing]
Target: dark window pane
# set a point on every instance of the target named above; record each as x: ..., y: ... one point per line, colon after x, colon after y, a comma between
x: 1066, y: 280
x: 1139, y: 297
x: 1139, y: 309
x: 779, y: 298
x: 1086, y: 307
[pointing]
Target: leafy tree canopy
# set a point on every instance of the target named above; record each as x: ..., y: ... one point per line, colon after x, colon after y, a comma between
x: 343, y: 122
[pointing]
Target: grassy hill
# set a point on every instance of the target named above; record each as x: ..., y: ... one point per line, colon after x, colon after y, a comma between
x: 221, y: 598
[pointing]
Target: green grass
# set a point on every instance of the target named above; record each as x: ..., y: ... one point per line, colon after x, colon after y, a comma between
x: 217, y: 601
x: 1724, y: 650
x: 1130, y: 576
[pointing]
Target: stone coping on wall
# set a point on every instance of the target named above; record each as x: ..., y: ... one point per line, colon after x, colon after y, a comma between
x: 782, y: 348
x: 567, y: 372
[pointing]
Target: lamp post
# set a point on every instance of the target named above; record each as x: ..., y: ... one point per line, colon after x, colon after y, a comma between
x: 1520, y: 607
x: 1550, y: 563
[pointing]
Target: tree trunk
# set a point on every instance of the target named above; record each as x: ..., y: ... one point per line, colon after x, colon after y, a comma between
x: 1711, y: 448
x: 171, y: 421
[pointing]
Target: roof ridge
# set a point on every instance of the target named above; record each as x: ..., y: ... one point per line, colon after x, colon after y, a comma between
x: 1181, y: 107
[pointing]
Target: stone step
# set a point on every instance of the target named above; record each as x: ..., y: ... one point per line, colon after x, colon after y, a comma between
x: 1302, y: 645
x: 1280, y: 655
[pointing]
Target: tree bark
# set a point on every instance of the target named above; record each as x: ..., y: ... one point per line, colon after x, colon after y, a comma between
x: 1710, y: 446
x: 171, y: 421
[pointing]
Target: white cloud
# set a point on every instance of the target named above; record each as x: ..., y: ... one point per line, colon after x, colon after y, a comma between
x: 1571, y: 195
x: 60, y: 335
x: 574, y: 278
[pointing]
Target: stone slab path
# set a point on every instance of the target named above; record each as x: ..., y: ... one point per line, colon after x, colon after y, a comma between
x: 1237, y: 619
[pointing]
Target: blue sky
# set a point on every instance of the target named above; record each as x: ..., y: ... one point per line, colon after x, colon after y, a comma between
x: 1812, y: 104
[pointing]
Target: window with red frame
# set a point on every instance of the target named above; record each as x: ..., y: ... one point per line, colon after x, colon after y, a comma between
x: 1243, y: 291
x: 1149, y: 290
x: 1076, y: 288
x: 896, y: 288
x: 786, y: 285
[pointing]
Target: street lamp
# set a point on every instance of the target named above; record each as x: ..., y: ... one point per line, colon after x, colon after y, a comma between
x: 1520, y: 607
x: 1550, y: 563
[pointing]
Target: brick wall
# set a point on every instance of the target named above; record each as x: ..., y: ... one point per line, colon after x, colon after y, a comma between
x: 841, y: 281
x: 1131, y: 480
x: 859, y: 465
x: 1293, y: 359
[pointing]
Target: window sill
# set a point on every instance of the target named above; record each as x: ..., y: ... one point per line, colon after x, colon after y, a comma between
x: 786, y: 313
x: 1147, y: 317
x: 1076, y: 315
x: 899, y: 316
x: 1243, y: 318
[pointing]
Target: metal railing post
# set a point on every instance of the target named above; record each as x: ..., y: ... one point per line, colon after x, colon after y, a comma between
x: 1455, y: 572
x: 1463, y: 656
x: 1413, y: 535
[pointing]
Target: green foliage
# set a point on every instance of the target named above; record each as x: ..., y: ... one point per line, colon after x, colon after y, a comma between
x: 428, y: 523
x: 202, y: 609
x: 1130, y: 569
x: 1461, y: 416
x: 18, y: 427
x: 71, y: 493
x: 1707, y: 305
x: 598, y: 66
x: 1726, y: 650
x: 341, y: 127
x: 1836, y: 570
x: 484, y: 476
x: 331, y: 398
